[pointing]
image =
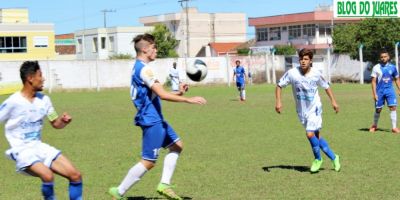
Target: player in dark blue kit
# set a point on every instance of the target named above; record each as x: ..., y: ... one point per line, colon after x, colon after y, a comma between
x: 239, y: 74
x: 146, y: 95
x: 383, y: 75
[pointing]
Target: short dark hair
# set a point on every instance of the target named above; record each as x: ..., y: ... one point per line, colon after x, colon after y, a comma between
x: 142, y: 37
x: 382, y: 51
x: 28, y: 68
x: 306, y: 52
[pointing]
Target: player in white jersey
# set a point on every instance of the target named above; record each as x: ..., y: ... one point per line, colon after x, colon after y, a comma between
x: 23, y: 114
x: 174, y: 75
x: 305, y: 81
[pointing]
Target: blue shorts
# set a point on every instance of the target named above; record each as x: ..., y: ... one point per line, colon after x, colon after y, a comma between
x: 157, y: 136
x: 240, y: 85
x: 389, y: 97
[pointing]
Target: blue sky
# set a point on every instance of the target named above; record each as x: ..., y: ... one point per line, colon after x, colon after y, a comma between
x: 71, y: 15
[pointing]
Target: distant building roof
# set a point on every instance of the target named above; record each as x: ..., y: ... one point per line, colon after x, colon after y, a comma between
x: 223, y: 48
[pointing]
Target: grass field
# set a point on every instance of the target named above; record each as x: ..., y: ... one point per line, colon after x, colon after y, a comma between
x: 232, y: 150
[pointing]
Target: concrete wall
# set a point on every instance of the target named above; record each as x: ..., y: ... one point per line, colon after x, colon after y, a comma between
x: 97, y: 74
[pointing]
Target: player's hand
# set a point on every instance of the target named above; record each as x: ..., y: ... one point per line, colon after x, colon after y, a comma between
x: 183, y: 87
x: 66, y: 118
x: 335, y: 107
x: 278, y: 107
x: 197, y: 100
x: 376, y: 97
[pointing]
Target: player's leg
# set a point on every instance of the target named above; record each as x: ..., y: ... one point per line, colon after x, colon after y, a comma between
x: 65, y: 168
x: 243, y: 92
x: 323, y: 144
x: 40, y: 170
x: 153, y: 137
x: 392, y: 104
x: 175, y: 146
x: 312, y: 124
x: 378, y: 108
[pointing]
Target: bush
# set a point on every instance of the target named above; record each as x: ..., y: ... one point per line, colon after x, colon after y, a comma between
x: 285, y: 50
x: 120, y: 56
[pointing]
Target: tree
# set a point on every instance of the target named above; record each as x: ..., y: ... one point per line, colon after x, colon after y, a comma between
x: 286, y: 50
x: 373, y: 33
x: 165, y: 42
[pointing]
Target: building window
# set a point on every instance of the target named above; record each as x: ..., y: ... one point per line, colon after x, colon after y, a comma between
x: 309, y: 30
x: 275, y: 33
x: 95, y: 45
x: 111, y: 43
x: 13, y: 45
x: 325, y: 30
x: 79, y: 46
x: 262, y: 34
x: 103, y: 42
x: 295, y: 32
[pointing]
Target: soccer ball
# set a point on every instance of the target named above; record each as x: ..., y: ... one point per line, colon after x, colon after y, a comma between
x: 197, y: 71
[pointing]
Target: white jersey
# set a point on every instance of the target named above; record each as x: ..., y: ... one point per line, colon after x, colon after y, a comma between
x: 24, y: 119
x: 305, y: 89
x: 174, y: 73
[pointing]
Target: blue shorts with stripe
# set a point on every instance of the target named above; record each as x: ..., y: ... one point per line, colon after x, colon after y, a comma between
x: 388, y: 96
x: 157, y: 136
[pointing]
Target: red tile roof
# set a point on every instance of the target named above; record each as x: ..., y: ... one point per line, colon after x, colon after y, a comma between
x: 223, y: 48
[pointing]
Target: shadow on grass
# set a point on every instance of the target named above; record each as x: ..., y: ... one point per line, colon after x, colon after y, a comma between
x: 295, y: 168
x: 151, y: 198
x: 378, y: 129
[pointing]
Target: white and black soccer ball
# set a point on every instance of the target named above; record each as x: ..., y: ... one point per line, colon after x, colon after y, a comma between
x: 197, y: 71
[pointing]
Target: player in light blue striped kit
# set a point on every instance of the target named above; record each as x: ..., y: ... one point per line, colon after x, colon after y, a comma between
x: 383, y: 75
x: 305, y: 81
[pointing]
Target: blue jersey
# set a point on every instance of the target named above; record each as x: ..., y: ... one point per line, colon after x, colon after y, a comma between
x: 384, y: 75
x: 147, y: 103
x: 240, y: 74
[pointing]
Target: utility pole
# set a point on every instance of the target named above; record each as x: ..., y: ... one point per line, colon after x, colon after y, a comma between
x: 187, y: 24
x: 105, y: 11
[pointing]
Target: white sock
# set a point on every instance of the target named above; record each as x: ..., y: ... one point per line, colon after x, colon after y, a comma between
x: 393, y: 116
x: 169, y: 167
x: 244, y: 94
x: 376, y: 118
x: 133, y: 176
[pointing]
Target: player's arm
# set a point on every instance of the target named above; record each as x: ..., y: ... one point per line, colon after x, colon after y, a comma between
x: 332, y: 98
x: 373, y: 85
x: 397, y: 82
x: 164, y: 95
x: 5, y: 110
x: 59, y: 122
x: 278, y: 102
x: 183, y: 88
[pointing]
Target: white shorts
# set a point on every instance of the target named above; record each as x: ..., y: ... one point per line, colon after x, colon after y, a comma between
x: 312, y: 122
x: 31, y: 154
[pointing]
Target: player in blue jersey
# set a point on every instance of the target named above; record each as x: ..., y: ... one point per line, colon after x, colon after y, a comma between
x: 239, y: 75
x: 24, y: 113
x: 305, y: 81
x: 382, y: 76
x: 146, y: 94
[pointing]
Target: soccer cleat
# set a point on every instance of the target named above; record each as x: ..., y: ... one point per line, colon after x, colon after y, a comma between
x: 166, y: 190
x: 316, y: 164
x: 373, y: 128
x: 113, y: 191
x: 395, y: 130
x: 336, y: 163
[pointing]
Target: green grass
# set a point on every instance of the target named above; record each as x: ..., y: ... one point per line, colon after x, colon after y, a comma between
x: 232, y: 150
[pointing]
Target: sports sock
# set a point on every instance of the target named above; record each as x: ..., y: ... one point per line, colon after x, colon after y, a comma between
x: 393, y: 116
x: 244, y: 94
x: 75, y: 190
x: 133, y: 176
x: 48, y: 191
x: 315, y: 147
x: 325, y: 148
x: 169, y: 167
x: 376, y: 118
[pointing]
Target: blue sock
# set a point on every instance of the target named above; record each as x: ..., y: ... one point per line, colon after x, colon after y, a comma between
x: 48, y: 190
x: 315, y: 147
x: 75, y: 190
x: 325, y: 148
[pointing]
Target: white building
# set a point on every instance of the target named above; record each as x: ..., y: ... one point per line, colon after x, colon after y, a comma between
x: 203, y: 28
x: 101, y: 43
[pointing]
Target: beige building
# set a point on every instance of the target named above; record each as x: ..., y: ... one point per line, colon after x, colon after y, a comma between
x: 21, y: 40
x: 201, y: 29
